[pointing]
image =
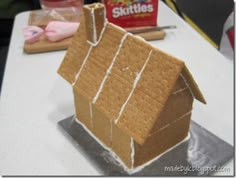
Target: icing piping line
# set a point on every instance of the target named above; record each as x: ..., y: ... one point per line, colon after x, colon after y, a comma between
x: 94, y: 26
x: 181, y: 117
x: 180, y: 90
x: 111, y: 152
x: 101, y: 35
x: 82, y: 66
x: 134, y: 86
x: 91, y: 113
x: 167, y: 125
x: 111, y: 131
x: 185, y: 81
x: 132, y: 152
x: 109, y: 69
x: 139, y: 168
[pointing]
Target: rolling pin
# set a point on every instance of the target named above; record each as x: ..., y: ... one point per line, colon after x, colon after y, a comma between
x: 152, y: 35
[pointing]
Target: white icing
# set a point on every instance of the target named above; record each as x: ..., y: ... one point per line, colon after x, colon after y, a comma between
x: 181, y: 117
x: 111, y: 152
x: 100, y: 37
x: 109, y: 69
x: 115, y: 156
x: 162, y: 128
x: 185, y: 81
x: 91, y: 113
x: 134, y: 86
x: 82, y: 66
x: 111, y: 131
x: 132, y: 152
x: 139, y: 168
x: 167, y: 125
x: 94, y: 26
x: 180, y: 90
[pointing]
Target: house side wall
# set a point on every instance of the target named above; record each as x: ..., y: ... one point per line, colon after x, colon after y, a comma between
x: 82, y: 109
x: 121, y: 145
x: 97, y: 122
x: 102, y: 126
x: 161, y: 141
x: 178, y: 104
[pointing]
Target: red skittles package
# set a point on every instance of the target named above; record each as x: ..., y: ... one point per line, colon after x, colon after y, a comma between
x: 132, y: 13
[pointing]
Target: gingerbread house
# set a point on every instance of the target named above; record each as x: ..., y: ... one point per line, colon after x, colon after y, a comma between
x: 136, y: 99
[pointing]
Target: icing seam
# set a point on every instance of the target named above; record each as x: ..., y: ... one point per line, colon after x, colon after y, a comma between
x: 109, y: 69
x: 132, y: 152
x: 82, y: 66
x: 134, y: 86
x: 94, y: 26
x: 167, y: 125
x: 185, y: 81
x: 101, y: 35
x: 179, y: 91
x: 91, y: 113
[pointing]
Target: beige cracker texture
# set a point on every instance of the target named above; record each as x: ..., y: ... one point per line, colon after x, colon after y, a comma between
x: 75, y: 55
x: 154, y: 85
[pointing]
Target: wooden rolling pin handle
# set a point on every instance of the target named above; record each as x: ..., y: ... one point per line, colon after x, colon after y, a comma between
x: 153, y: 35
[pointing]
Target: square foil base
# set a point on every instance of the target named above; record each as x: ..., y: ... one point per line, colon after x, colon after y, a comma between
x: 202, y: 154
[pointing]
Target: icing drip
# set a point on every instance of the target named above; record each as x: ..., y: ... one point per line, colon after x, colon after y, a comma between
x: 187, y: 85
x: 180, y: 90
x: 134, y: 86
x: 132, y: 152
x: 109, y: 69
x: 82, y: 66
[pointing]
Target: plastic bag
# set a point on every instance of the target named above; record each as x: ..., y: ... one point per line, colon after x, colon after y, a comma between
x: 43, y: 17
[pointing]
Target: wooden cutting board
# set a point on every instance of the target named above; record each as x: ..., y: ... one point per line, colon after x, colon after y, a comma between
x: 38, y: 18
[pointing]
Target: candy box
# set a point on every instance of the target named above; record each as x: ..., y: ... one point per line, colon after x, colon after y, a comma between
x: 132, y: 13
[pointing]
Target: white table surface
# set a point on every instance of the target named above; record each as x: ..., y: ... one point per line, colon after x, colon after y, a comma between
x: 34, y: 98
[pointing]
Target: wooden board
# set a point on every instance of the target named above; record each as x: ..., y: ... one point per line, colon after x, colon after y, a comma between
x: 46, y: 46
x: 37, y: 18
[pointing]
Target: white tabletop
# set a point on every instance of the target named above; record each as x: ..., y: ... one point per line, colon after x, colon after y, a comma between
x: 34, y: 98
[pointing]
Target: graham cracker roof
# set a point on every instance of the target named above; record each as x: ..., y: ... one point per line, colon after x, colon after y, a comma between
x: 124, y: 77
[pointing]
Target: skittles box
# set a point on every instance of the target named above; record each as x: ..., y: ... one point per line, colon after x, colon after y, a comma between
x: 132, y: 13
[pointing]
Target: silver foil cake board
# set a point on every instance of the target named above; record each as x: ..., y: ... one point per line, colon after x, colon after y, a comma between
x: 202, y: 154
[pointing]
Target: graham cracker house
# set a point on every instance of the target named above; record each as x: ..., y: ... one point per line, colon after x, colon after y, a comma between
x: 136, y: 99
